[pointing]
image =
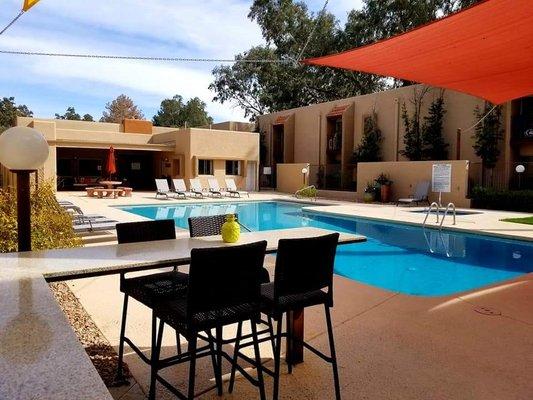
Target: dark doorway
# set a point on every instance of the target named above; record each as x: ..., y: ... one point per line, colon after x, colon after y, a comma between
x: 278, y: 149
x: 81, y: 168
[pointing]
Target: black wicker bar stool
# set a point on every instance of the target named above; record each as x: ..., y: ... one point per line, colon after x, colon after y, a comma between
x: 147, y: 289
x: 303, y: 278
x: 224, y: 288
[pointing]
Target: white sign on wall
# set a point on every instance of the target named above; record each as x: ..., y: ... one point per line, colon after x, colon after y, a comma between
x: 441, y: 178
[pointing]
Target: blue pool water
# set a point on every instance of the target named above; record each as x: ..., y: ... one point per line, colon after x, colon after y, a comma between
x: 396, y: 257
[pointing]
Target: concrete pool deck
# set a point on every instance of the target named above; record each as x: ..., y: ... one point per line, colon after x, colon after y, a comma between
x: 476, y: 345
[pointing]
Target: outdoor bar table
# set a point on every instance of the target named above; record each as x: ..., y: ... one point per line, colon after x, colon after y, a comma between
x: 40, y: 356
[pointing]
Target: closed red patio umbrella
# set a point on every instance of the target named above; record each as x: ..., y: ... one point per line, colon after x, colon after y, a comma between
x: 111, y: 167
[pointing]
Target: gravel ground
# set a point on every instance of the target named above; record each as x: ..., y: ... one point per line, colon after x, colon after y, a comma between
x: 101, y: 353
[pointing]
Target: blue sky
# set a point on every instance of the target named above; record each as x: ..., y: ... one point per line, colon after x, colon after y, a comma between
x: 185, y: 28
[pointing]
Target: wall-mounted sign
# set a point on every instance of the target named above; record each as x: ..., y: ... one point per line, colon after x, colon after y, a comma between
x: 267, y: 170
x: 441, y: 178
x: 135, y: 166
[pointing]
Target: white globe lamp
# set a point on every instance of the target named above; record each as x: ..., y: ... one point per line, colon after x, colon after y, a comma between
x: 23, y: 150
x: 520, y: 170
x: 304, y: 173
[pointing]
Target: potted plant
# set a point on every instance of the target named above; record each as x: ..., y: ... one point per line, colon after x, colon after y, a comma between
x: 385, y: 187
x: 370, y: 193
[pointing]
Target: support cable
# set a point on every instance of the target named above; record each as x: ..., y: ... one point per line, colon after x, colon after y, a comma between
x: 12, y: 22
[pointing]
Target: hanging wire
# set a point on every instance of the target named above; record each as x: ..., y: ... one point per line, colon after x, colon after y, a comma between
x: 12, y: 22
x: 115, y: 57
x: 319, y: 16
x: 480, y: 120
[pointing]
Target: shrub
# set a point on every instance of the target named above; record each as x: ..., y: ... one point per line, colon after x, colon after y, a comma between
x: 307, y: 191
x: 51, y: 226
x: 510, y: 200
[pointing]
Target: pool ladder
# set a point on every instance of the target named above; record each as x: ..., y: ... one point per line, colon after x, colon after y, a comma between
x: 437, y: 209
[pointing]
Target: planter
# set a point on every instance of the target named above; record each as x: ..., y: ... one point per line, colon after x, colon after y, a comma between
x: 385, y: 193
x: 368, y: 197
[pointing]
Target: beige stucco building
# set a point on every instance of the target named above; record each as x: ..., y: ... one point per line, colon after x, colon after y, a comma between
x: 324, y: 135
x: 79, y: 151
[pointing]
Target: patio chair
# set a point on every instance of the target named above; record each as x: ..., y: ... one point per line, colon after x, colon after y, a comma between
x: 420, y: 194
x: 224, y: 288
x: 303, y: 278
x: 180, y: 189
x: 196, y: 187
x: 147, y: 289
x: 162, y: 188
x: 211, y: 226
x: 214, y: 188
x: 231, y: 187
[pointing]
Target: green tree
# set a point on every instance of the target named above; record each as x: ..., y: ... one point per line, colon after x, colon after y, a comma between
x: 174, y: 112
x: 286, y: 26
x: 487, y: 136
x: 412, y: 124
x: 433, y: 145
x: 9, y: 111
x: 70, y: 114
x: 272, y: 86
x: 119, y: 109
x: 370, y: 147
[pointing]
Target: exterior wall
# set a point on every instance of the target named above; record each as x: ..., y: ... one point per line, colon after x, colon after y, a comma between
x: 220, y: 146
x: 310, y: 123
x: 176, y: 151
x: 290, y: 177
x: 406, y: 174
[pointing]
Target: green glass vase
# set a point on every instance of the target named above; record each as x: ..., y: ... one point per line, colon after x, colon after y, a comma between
x: 231, y: 230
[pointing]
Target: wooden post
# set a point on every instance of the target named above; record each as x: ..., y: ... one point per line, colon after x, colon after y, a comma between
x: 458, y: 145
x: 23, y: 210
x: 296, y: 356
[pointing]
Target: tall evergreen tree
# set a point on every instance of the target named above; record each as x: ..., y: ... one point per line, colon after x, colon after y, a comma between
x: 413, y: 129
x: 487, y: 136
x: 370, y: 147
x: 433, y: 145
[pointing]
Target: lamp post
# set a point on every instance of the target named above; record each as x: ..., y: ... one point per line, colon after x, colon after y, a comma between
x: 304, y: 173
x: 520, y: 170
x: 23, y: 150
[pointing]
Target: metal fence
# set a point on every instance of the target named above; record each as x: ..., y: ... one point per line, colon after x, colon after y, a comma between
x: 333, y: 176
x: 498, y: 178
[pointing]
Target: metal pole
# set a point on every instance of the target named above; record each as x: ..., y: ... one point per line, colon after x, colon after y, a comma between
x: 23, y: 210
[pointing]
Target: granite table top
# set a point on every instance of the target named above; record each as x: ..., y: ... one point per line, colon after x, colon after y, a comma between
x: 40, y: 356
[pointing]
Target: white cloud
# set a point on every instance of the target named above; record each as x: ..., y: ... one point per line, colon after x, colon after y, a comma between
x: 186, y: 28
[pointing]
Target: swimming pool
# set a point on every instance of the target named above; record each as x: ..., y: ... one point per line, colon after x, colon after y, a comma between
x: 396, y: 257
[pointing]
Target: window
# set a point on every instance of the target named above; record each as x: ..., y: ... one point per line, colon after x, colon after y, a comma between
x: 233, y: 167
x: 205, y: 167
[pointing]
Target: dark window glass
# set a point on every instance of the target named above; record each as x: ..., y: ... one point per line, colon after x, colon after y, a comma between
x: 205, y: 167
x: 233, y: 167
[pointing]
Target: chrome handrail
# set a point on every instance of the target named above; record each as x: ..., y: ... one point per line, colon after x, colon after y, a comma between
x: 437, y: 208
x: 446, y: 212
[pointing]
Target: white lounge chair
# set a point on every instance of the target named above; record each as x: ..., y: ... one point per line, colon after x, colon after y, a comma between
x: 162, y: 188
x: 419, y: 196
x: 196, y: 187
x: 214, y: 188
x: 231, y: 188
x: 179, y: 188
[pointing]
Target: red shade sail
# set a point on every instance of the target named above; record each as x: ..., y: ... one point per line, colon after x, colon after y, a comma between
x: 111, y: 167
x: 485, y: 51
